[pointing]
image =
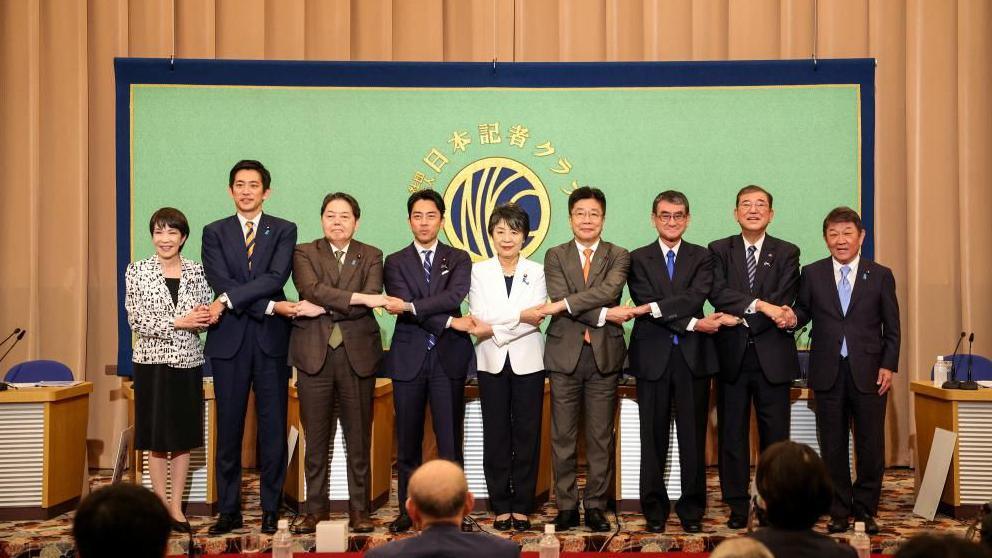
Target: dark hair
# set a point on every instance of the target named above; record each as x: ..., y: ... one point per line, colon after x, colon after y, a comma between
x: 251, y: 164
x: 426, y: 194
x: 586, y: 193
x: 842, y: 215
x: 751, y: 188
x: 122, y: 519
x: 172, y: 218
x: 355, y: 210
x: 673, y: 197
x: 946, y: 546
x: 513, y: 215
x: 794, y: 483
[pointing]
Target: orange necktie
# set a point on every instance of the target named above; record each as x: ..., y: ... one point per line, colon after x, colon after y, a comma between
x: 585, y: 277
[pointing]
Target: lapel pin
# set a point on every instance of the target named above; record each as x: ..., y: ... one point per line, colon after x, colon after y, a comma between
x: 524, y: 280
x: 768, y: 264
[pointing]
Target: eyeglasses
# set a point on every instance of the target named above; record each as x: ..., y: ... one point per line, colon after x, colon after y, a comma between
x: 671, y: 217
x: 590, y: 215
x: 757, y: 206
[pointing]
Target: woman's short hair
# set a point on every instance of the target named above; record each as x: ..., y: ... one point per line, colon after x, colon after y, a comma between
x: 741, y: 547
x: 928, y: 545
x: 794, y: 484
x: 122, y: 519
x: 172, y: 218
x: 513, y: 215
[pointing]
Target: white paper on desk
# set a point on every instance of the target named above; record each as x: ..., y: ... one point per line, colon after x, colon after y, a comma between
x: 985, y: 383
x: 938, y: 464
x: 51, y: 383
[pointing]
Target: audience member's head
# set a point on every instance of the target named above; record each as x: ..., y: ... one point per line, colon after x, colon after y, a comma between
x: 121, y: 520
x: 741, y: 547
x: 944, y: 546
x: 438, y: 493
x: 986, y: 526
x: 793, y: 485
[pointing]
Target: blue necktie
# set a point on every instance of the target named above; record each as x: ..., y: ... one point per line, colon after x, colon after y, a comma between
x: 431, y: 339
x: 844, y: 290
x: 670, y: 264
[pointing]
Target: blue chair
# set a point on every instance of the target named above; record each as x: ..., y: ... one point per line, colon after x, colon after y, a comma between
x: 39, y: 371
x: 981, y: 367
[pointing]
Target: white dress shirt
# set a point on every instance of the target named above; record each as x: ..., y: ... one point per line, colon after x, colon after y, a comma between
x: 655, y: 309
x: 751, y: 308
x: 420, y: 252
x: 850, y: 275
x: 270, y: 308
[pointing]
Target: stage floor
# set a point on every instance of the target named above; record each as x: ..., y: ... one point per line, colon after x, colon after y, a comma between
x: 53, y: 538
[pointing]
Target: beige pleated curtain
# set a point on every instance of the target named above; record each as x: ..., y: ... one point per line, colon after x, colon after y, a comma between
x: 933, y: 159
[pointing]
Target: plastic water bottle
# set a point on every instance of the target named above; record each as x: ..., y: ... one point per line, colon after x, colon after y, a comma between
x: 549, y: 546
x: 282, y: 542
x: 860, y: 541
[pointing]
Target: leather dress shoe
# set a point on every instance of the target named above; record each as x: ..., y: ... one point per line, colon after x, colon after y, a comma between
x: 467, y: 525
x: 566, y: 519
x: 226, y: 523
x: 655, y: 525
x: 360, y: 522
x: 401, y: 524
x: 309, y: 523
x: 871, y: 527
x: 737, y: 521
x: 692, y: 526
x: 503, y: 524
x: 521, y: 524
x: 182, y: 526
x: 270, y: 522
x: 596, y: 521
x: 837, y: 525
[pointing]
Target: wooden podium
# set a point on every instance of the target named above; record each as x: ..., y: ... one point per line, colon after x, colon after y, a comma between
x: 381, y: 458
x: 201, y: 489
x: 969, y: 414
x: 42, y: 450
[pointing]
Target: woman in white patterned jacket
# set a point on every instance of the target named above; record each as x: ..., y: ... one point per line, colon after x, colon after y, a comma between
x: 166, y: 303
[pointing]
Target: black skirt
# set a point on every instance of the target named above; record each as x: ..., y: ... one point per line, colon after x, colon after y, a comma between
x: 168, y: 407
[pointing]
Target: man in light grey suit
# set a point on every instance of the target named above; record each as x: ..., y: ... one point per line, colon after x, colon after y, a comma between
x: 584, y: 353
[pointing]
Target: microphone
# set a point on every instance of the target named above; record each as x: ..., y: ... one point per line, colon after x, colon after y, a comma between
x: 13, y: 333
x: 3, y: 385
x: 953, y: 382
x: 970, y: 384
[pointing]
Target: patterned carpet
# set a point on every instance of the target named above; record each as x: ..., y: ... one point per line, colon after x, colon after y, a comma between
x: 53, y: 538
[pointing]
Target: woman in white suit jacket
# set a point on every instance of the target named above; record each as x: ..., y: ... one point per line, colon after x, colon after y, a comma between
x: 504, y: 298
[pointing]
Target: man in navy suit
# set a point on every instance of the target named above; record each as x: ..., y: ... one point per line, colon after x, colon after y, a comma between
x: 754, y: 275
x: 247, y: 259
x: 855, y: 350
x: 439, y: 500
x: 430, y: 351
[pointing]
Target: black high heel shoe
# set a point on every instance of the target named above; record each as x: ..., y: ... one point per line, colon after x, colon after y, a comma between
x: 182, y: 527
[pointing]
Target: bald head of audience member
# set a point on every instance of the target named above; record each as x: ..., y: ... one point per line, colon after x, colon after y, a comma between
x: 438, y: 493
x: 741, y: 547
x: 122, y: 519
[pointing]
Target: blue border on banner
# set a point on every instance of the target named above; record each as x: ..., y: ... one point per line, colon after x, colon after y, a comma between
x: 130, y: 71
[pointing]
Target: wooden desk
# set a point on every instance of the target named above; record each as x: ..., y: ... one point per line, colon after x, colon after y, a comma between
x: 969, y: 414
x: 201, y: 489
x: 42, y: 450
x: 381, y: 458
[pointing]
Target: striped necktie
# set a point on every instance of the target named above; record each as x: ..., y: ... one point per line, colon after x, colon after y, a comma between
x: 431, y: 339
x: 250, y: 241
x: 752, y: 266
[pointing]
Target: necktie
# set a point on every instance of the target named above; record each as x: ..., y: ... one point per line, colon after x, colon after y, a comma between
x: 250, y: 241
x: 586, y: 265
x: 336, y: 338
x: 752, y: 266
x: 844, y: 290
x: 431, y: 339
x: 670, y: 264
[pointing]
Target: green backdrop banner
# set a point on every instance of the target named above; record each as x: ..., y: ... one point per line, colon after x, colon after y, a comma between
x: 481, y: 146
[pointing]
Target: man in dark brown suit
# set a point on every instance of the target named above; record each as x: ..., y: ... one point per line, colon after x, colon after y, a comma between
x: 336, y: 349
x: 584, y: 354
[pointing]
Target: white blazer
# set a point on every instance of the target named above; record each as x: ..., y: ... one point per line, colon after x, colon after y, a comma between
x: 488, y: 302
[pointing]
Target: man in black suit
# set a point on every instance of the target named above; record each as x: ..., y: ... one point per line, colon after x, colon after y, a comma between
x: 855, y: 350
x: 439, y: 500
x: 671, y: 354
x: 247, y: 258
x: 754, y: 276
x: 430, y: 352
